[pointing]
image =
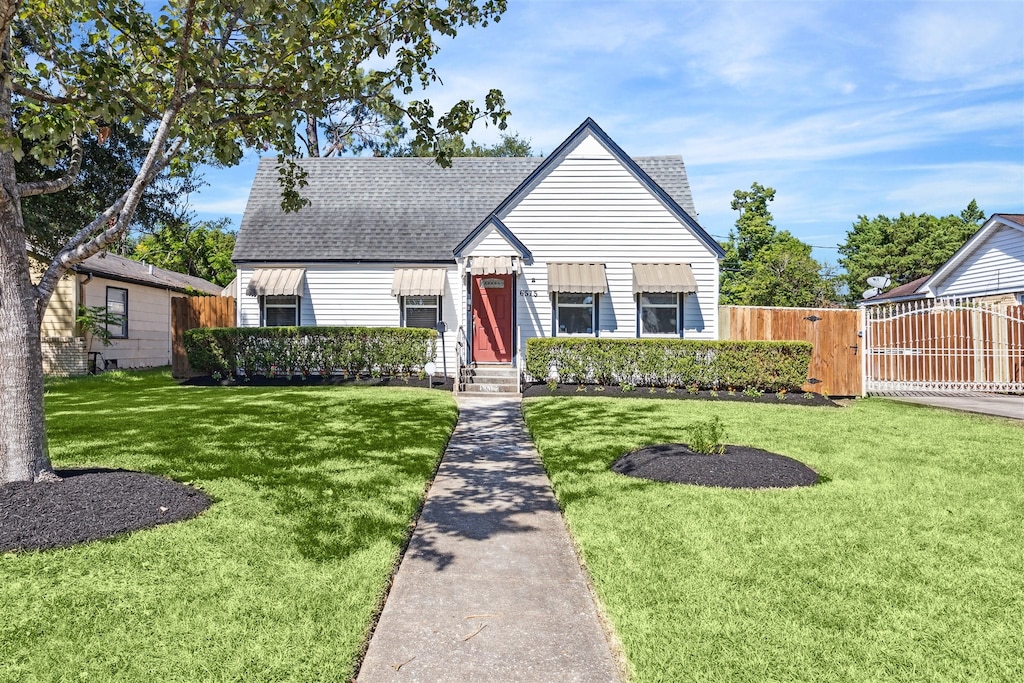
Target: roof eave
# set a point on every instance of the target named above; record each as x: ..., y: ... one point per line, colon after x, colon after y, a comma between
x: 968, y: 248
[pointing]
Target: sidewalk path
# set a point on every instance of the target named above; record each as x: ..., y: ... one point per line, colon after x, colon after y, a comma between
x: 490, y: 588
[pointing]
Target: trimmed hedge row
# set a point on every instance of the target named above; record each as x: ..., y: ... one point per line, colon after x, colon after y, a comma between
x: 325, y: 351
x: 764, y: 365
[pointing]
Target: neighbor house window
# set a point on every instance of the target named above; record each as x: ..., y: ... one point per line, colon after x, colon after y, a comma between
x: 280, y: 311
x: 421, y: 311
x: 659, y: 313
x: 575, y: 313
x: 117, y: 310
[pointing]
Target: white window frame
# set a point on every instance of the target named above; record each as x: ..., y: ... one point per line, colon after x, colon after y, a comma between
x: 678, y: 306
x: 122, y: 328
x: 407, y: 304
x: 594, y: 305
x: 265, y: 303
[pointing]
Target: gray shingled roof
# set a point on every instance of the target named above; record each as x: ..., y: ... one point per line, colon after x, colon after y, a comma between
x: 125, y: 269
x: 395, y: 209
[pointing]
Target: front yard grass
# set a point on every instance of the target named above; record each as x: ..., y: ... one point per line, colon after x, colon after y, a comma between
x: 279, y: 580
x: 905, y: 564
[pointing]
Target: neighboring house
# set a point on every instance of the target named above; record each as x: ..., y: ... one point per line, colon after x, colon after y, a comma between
x: 988, y: 268
x: 586, y: 242
x: 137, y: 292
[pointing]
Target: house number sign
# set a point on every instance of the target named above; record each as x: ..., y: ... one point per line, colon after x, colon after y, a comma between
x: 527, y: 292
x: 492, y: 283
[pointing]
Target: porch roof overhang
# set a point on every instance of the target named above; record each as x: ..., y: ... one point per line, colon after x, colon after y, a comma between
x: 663, y: 277
x: 276, y: 282
x: 577, y: 278
x: 491, y: 265
x: 419, y: 282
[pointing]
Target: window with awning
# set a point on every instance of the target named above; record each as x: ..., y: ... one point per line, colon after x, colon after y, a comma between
x: 418, y: 282
x: 276, y: 282
x: 577, y: 278
x: 660, y: 278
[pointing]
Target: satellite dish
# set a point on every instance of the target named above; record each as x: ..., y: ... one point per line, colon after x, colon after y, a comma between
x: 868, y: 293
x: 880, y: 281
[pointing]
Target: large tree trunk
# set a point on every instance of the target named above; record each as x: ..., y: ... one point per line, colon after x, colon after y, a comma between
x: 23, y: 452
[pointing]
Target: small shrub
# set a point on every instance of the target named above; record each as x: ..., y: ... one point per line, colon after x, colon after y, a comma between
x: 713, y: 393
x: 599, y: 387
x: 706, y: 436
x: 808, y: 395
x: 753, y: 392
x: 670, y: 389
x: 552, y: 385
x: 626, y: 386
x: 693, y: 389
x: 581, y: 388
x: 781, y: 395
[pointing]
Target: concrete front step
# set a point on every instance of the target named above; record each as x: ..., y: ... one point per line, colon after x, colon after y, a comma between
x: 489, y: 388
x: 490, y: 371
x: 488, y: 379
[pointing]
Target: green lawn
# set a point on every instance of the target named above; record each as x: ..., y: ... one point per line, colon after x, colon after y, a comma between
x: 907, y: 564
x: 279, y: 580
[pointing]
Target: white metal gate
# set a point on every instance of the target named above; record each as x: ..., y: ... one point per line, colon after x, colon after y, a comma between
x: 943, y: 345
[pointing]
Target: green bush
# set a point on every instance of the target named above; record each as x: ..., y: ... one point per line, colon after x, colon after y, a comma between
x: 706, y: 436
x: 326, y: 351
x: 765, y: 365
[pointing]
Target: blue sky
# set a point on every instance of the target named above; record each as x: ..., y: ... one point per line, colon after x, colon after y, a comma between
x: 845, y: 108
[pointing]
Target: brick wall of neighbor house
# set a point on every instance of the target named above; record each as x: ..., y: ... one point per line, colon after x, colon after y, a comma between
x: 149, y: 324
x: 64, y: 356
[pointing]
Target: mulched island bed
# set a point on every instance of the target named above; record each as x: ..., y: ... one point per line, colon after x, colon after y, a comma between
x: 795, y: 398
x: 88, y: 505
x: 740, y: 467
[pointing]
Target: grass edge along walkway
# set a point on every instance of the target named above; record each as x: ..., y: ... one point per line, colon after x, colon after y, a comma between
x: 904, y: 565
x: 280, y: 580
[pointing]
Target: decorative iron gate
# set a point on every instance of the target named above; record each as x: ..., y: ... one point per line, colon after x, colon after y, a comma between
x: 944, y: 345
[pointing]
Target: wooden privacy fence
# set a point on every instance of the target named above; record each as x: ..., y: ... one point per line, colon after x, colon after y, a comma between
x: 944, y: 345
x: 835, y: 364
x: 189, y: 312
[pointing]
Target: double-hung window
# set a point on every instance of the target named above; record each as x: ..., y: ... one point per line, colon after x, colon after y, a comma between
x: 117, y: 312
x: 421, y: 311
x: 576, y: 313
x: 280, y: 311
x: 659, y: 313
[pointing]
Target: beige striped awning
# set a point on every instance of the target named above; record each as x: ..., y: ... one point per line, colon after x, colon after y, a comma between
x: 276, y: 282
x: 418, y: 282
x: 663, y: 277
x: 491, y: 265
x: 587, y: 278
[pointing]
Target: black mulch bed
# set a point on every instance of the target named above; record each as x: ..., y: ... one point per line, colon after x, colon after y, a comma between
x: 740, y: 467
x: 88, y: 505
x: 444, y: 383
x: 795, y: 398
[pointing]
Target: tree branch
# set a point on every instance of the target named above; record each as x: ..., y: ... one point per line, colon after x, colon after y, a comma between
x: 31, y: 94
x: 57, y: 184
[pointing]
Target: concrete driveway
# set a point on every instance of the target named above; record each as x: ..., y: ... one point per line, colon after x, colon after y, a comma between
x: 1000, y: 405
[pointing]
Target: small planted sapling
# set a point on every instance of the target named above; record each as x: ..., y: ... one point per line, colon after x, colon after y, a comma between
x: 706, y: 436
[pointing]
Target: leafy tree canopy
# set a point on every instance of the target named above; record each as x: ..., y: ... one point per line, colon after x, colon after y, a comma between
x: 906, y: 248
x: 456, y: 146
x: 767, y: 267
x: 200, y: 249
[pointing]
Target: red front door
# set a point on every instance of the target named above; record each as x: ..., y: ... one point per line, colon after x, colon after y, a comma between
x: 492, y: 318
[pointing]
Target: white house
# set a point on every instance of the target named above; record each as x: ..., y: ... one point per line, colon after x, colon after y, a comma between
x: 586, y: 242
x: 988, y: 268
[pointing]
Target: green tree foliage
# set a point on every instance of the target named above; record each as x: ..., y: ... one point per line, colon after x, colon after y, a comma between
x: 907, y: 247
x: 110, y: 163
x: 764, y: 266
x: 456, y: 146
x: 200, y: 249
x: 201, y: 82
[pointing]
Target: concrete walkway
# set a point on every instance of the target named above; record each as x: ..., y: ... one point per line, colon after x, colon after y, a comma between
x: 490, y: 588
x: 1000, y: 405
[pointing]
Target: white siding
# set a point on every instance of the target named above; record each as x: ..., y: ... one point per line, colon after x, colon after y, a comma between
x: 490, y: 243
x: 355, y: 295
x: 995, y: 266
x: 590, y: 208
x: 149, y: 324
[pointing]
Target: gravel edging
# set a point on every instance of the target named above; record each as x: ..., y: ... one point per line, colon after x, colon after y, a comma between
x: 89, y: 505
x: 740, y: 467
